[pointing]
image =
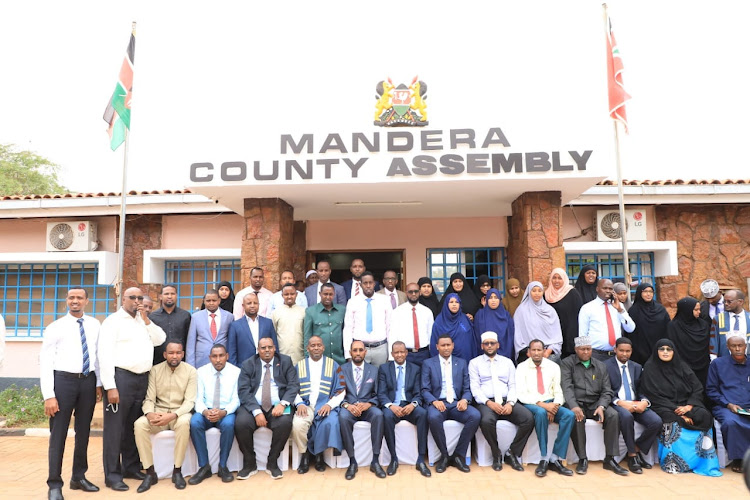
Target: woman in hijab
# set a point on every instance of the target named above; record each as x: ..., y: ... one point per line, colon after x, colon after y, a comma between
x: 226, y: 296
x: 535, y: 319
x: 623, y: 295
x: 427, y: 296
x: 586, y: 283
x: 651, y: 320
x: 567, y: 302
x: 676, y: 395
x: 469, y: 301
x: 512, y: 298
x: 494, y: 318
x: 690, y: 334
x: 453, y: 320
x: 481, y: 286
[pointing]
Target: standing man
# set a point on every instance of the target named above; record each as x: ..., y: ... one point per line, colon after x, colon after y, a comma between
x: 69, y: 379
x: 353, y: 286
x: 603, y: 319
x: 268, y: 384
x: 734, y: 319
x: 245, y: 332
x: 588, y: 394
x: 277, y: 301
x: 395, y: 297
x: 170, y: 398
x: 493, y: 386
x: 326, y: 320
x: 713, y: 305
x: 445, y: 379
x: 289, y: 323
x: 368, y: 318
x: 174, y: 321
x: 625, y: 377
x: 207, y: 327
x: 257, y: 279
x: 400, y: 395
x: 411, y: 323
x: 312, y: 292
x: 215, y: 405
x: 126, y: 350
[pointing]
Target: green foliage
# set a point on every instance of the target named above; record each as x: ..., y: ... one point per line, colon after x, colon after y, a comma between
x: 24, y: 172
x: 22, y: 407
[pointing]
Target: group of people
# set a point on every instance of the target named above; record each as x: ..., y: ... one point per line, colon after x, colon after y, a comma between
x: 309, y: 364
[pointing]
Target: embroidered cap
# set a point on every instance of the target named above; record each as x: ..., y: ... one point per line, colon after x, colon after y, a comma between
x: 584, y: 341
x: 710, y: 288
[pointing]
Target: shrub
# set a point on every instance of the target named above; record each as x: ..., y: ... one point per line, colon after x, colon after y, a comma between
x: 22, y: 407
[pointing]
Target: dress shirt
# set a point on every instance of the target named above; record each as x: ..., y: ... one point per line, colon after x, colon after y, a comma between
x: 62, y: 350
x: 621, y: 393
x: 481, y: 377
x: 716, y: 310
x: 592, y: 321
x: 448, y: 389
x: 264, y: 302
x: 277, y: 301
x: 229, y: 400
x: 585, y: 386
x: 171, y: 391
x: 126, y: 342
x: 742, y: 322
x: 402, y: 326
x: 526, y: 386
x: 317, y: 293
x: 217, y: 317
x: 274, y: 388
x: 395, y: 376
x: 289, y: 325
x: 175, y: 324
x: 315, y: 371
x: 355, y: 321
x: 254, y: 328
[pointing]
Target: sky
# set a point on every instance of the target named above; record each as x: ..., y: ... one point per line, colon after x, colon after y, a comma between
x: 220, y: 81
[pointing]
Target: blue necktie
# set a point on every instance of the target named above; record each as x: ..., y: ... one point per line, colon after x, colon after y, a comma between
x: 626, y: 384
x: 736, y: 323
x: 84, y: 347
x: 368, y: 324
x: 399, y: 386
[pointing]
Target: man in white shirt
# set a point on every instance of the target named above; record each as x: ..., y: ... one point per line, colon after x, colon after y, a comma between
x: 69, y: 379
x: 603, y: 320
x: 411, y: 323
x: 257, y: 279
x: 395, y: 297
x: 277, y: 301
x: 368, y: 319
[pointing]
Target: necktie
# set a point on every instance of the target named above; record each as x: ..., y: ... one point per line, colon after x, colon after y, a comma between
x: 356, y: 288
x: 217, y: 392
x: 393, y: 300
x: 84, y: 348
x: 400, y: 386
x: 213, y: 326
x: 448, y: 386
x: 368, y: 325
x: 539, y: 380
x: 358, y: 377
x: 265, y: 395
x: 736, y: 323
x: 610, y: 326
x: 416, y: 327
x: 626, y: 383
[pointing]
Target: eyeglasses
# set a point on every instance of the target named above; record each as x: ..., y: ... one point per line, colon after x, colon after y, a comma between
x: 135, y: 297
x: 665, y: 349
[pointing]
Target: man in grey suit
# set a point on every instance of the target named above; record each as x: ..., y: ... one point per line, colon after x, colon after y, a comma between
x: 395, y: 297
x: 312, y: 293
x: 361, y: 403
x: 207, y: 327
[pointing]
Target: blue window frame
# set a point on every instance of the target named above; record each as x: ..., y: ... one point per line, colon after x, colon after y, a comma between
x: 194, y: 277
x: 611, y: 266
x: 34, y: 295
x: 471, y: 262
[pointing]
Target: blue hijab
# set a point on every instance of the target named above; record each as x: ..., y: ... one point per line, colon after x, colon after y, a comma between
x: 466, y: 345
x: 496, y: 320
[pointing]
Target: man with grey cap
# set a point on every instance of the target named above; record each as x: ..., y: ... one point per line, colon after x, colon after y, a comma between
x: 493, y: 385
x: 713, y: 305
x: 588, y: 393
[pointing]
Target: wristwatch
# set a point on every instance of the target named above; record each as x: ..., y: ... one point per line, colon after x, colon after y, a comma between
x: 345, y: 405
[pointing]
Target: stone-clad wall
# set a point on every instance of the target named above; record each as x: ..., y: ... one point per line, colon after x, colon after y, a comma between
x: 267, y: 239
x: 142, y: 232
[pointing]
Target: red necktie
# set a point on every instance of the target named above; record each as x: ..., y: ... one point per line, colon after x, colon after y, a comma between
x: 610, y: 326
x: 539, y: 380
x: 416, y: 327
x: 213, y: 326
x: 356, y: 288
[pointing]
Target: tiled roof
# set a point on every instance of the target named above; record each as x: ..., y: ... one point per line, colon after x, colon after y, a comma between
x: 677, y: 182
x: 91, y: 195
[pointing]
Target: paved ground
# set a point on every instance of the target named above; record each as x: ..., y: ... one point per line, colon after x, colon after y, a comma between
x: 24, y: 471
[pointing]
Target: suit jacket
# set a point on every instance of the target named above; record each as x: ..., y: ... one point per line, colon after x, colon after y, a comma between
x: 241, y: 345
x: 721, y: 325
x: 284, y: 374
x: 200, y: 341
x: 311, y: 293
x: 400, y: 296
x: 432, y: 379
x: 348, y: 288
x: 615, y: 377
x: 387, y: 383
x: 368, y: 391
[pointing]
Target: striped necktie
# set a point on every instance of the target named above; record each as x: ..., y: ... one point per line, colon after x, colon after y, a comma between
x: 84, y: 348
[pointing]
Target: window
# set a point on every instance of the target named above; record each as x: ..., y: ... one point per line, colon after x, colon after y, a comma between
x: 194, y: 277
x: 34, y: 295
x: 610, y: 266
x: 471, y: 262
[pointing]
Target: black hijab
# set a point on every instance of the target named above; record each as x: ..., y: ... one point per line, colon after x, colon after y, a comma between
x: 481, y: 280
x: 651, y: 320
x: 431, y: 301
x: 690, y: 335
x: 587, y: 292
x: 469, y: 302
x: 228, y: 303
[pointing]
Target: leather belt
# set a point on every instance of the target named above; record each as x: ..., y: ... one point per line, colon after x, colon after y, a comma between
x: 73, y: 375
x: 418, y: 350
x: 606, y: 353
x: 373, y: 344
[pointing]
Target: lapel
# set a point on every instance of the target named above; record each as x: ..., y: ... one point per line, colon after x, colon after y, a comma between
x: 276, y: 364
x: 457, y: 378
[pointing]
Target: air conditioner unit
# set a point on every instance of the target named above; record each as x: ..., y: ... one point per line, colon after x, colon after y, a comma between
x: 71, y: 236
x: 608, y: 225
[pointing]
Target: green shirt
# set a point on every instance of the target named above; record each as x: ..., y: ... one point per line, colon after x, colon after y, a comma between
x: 329, y: 326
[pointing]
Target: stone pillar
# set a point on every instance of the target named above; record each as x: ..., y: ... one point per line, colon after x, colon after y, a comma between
x: 535, y: 245
x: 142, y: 232
x: 299, y: 250
x: 268, y: 239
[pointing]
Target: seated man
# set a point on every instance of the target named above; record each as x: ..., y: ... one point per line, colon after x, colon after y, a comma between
x: 315, y: 426
x: 444, y: 379
x: 625, y: 377
x: 400, y: 394
x: 170, y: 398
x: 360, y: 403
x: 493, y: 385
x: 538, y: 388
x: 588, y: 393
x: 267, y: 386
x: 215, y: 405
x: 728, y: 387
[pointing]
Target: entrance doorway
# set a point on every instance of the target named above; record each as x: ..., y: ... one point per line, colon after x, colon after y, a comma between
x: 377, y: 262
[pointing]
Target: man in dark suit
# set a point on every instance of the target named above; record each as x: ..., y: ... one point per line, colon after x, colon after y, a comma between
x: 447, y: 390
x: 207, y: 327
x: 361, y: 403
x: 353, y: 287
x: 312, y: 293
x: 399, y: 393
x: 631, y: 406
x: 267, y: 387
x: 245, y: 332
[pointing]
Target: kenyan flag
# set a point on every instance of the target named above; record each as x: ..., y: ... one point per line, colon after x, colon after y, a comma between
x: 117, y: 114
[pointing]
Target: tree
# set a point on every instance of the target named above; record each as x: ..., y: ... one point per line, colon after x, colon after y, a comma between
x: 25, y: 172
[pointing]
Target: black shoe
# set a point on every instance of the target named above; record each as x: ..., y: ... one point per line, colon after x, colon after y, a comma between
x: 497, y: 463
x: 225, y: 475
x: 83, y: 484
x: 376, y: 469
x: 611, y: 464
x: 558, y: 467
x: 147, y: 483
x: 304, y: 464
x: 511, y: 460
x: 392, y: 467
x: 634, y: 465
x: 583, y: 466
x: 642, y: 460
x: 117, y: 486
x: 275, y: 473
x: 320, y: 463
x: 178, y: 480
x: 134, y: 475
x: 55, y: 494
x: 541, y: 469
x: 441, y: 465
x: 351, y: 471
x: 203, y: 473
x: 423, y: 469
x: 247, y: 473
x: 459, y: 463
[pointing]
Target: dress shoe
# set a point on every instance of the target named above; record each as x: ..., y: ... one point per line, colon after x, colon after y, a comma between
x: 83, y: 484
x: 541, y: 469
x: 583, y: 466
x: 376, y: 469
x: 55, y: 494
x: 225, y: 475
x: 459, y: 463
x: 147, y: 483
x: 497, y: 463
x: 392, y: 467
x: 178, y: 480
x: 441, y: 465
x: 511, y: 460
x: 134, y: 475
x: 634, y: 465
x: 304, y: 464
x: 203, y: 473
x: 247, y: 473
x: 611, y: 464
x: 642, y: 460
x: 558, y: 467
x: 320, y: 463
x: 351, y: 471
x: 275, y: 473
x: 117, y: 486
x: 423, y: 469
